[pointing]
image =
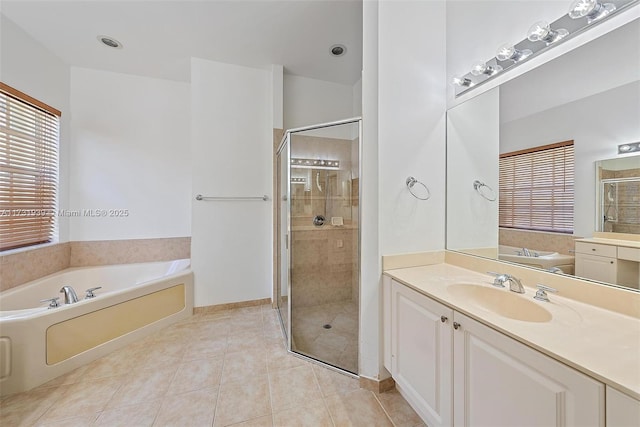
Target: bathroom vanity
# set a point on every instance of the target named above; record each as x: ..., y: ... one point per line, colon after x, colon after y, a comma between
x: 465, y: 353
x: 609, y: 260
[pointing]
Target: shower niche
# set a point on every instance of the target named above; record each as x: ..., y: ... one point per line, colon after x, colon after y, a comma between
x: 318, y: 228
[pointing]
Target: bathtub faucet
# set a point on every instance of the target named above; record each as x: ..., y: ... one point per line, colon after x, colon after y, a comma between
x: 70, y: 296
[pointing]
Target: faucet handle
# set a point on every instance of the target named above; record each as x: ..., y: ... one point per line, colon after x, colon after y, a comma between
x: 89, y: 292
x: 541, y: 293
x: 53, y: 302
x: 500, y: 278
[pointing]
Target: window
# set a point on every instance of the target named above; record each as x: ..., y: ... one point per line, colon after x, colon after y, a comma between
x: 29, y: 132
x: 536, y: 188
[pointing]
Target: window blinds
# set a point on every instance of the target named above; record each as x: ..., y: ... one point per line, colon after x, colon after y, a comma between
x: 29, y: 132
x: 536, y: 188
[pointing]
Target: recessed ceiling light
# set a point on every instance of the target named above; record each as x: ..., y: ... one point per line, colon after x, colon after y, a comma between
x: 338, y: 50
x: 110, y: 41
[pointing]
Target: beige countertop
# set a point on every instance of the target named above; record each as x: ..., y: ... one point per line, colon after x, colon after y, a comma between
x: 613, y: 242
x: 600, y: 343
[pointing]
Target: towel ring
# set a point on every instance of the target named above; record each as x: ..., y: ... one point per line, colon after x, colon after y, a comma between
x: 478, y: 186
x: 411, y: 181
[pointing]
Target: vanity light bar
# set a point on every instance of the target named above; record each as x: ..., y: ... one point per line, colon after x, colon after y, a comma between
x: 296, y: 180
x: 633, y: 147
x: 315, y: 163
x: 582, y: 15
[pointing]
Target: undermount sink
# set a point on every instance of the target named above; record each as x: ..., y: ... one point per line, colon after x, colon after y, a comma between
x: 502, y: 302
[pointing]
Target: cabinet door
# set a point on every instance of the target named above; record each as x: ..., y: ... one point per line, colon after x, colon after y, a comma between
x: 421, y: 346
x: 596, y: 267
x: 501, y: 382
x: 622, y: 410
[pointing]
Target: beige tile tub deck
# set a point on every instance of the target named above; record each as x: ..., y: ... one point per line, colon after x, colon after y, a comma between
x: 213, y: 369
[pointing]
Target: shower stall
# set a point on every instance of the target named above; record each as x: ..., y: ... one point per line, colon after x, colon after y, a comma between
x: 318, y: 241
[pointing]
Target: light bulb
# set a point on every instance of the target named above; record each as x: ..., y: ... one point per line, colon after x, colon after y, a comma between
x: 508, y: 51
x: 481, y: 68
x: 541, y: 31
x: 592, y: 9
x: 461, y: 81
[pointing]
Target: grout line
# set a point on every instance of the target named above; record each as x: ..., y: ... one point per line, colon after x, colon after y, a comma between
x: 383, y: 408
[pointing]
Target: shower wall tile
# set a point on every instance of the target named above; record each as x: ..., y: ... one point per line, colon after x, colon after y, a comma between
x: 324, y: 266
x: 561, y: 243
x: 106, y: 252
x: 22, y: 267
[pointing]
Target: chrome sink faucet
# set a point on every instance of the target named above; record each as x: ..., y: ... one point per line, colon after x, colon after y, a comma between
x: 515, y: 285
x: 70, y: 296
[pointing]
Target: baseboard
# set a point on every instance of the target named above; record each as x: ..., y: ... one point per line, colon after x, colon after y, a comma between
x: 377, y: 386
x: 230, y: 306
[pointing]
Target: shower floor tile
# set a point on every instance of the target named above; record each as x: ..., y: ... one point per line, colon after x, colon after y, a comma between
x: 327, y: 332
x: 207, y: 385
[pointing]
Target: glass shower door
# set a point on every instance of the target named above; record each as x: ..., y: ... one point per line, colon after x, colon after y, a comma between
x: 323, y: 241
x: 282, y: 235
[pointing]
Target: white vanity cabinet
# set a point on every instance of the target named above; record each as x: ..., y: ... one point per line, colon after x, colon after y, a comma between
x: 456, y: 371
x: 421, y: 353
x: 608, y: 261
x: 499, y: 381
x: 597, y: 262
x: 622, y: 410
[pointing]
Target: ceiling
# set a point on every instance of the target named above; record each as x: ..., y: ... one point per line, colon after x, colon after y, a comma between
x: 160, y: 37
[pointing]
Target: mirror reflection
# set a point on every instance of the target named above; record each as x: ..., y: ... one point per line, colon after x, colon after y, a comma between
x: 551, y: 203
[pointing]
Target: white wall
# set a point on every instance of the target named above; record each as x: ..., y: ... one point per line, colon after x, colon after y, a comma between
x: 473, y: 138
x: 129, y: 150
x: 403, y: 90
x: 311, y: 101
x: 27, y: 66
x: 231, y: 149
x: 411, y: 124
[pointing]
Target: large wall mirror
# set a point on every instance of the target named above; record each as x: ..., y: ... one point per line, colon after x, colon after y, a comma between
x: 588, y: 100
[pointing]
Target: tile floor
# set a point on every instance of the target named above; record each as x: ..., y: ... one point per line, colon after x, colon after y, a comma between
x: 338, y: 345
x: 222, y: 369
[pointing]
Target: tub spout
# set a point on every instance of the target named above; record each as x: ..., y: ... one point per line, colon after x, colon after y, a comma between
x: 70, y: 296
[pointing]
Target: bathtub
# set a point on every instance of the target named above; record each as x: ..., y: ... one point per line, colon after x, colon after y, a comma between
x: 38, y: 343
x: 546, y: 260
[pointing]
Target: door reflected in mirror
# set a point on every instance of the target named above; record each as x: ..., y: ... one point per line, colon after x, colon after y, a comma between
x: 618, y: 193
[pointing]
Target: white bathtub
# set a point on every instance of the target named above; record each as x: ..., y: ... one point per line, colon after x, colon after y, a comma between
x: 546, y: 260
x: 38, y: 344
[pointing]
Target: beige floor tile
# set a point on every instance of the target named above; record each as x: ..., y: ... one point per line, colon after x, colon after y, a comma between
x: 206, y: 348
x: 69, y: 378
x: 332, y: 382
x: 24, y: 409
x: 117, y: 363
x: 195, y: 408
x: 84, y: 398
x: 195, y: 375
x: 398, y: 409
x: 139, y: 415
x: 82, y: 421
x: 313, y: 414
x: 293, y: 388
x: 245, y: 340
x: 358, y: 408
x: 143, y: 386
x: 242, y: 401
x: 244, y: 365
x: 265, y: 421
x: 279, y: 359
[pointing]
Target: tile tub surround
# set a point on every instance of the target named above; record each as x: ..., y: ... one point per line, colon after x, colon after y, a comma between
x: 25, y: 266
x: 576, y: 333
x: 211, y: 369
x: 31, y: 264
x: 540, y: 241
x: 107, y: 252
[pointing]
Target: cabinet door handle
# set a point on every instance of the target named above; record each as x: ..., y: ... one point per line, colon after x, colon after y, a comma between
x: 456, y: 325
x: 444, y: 318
